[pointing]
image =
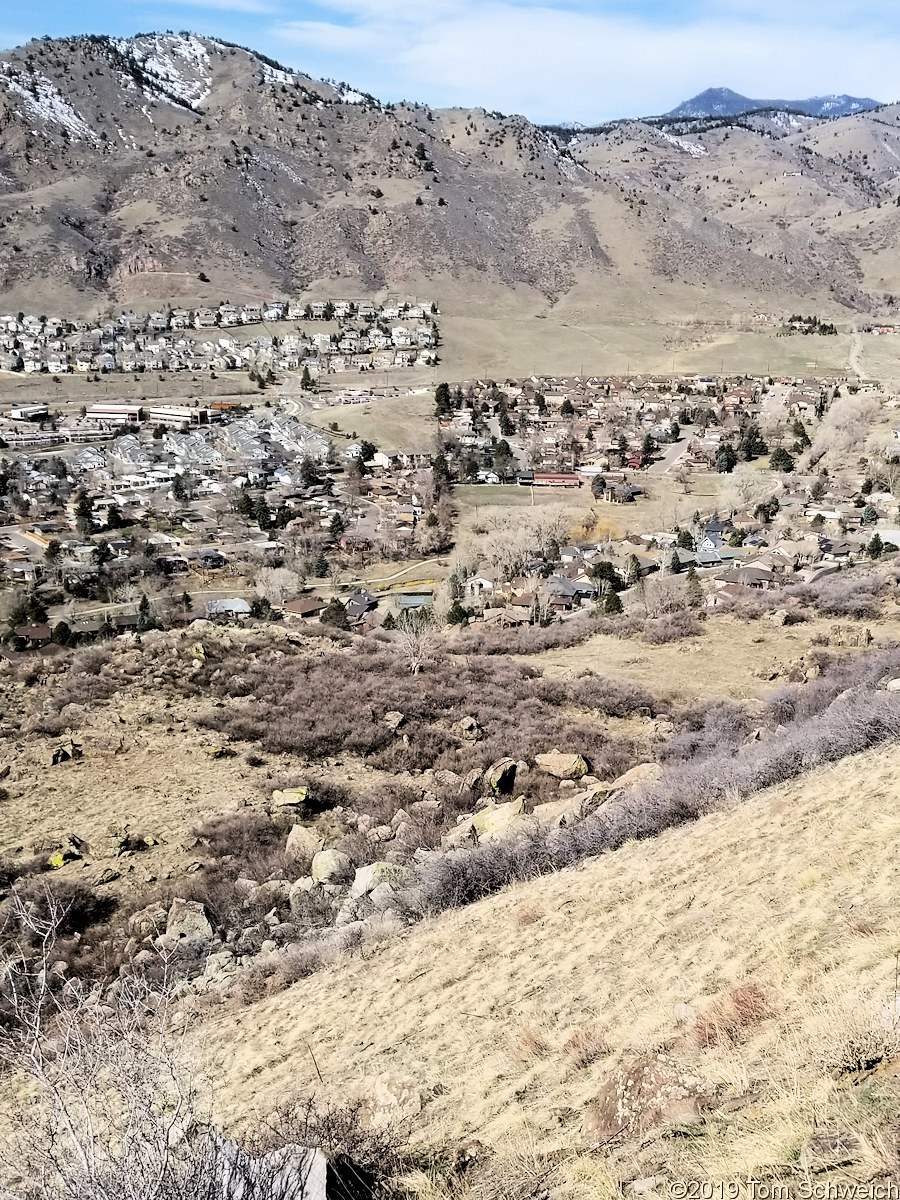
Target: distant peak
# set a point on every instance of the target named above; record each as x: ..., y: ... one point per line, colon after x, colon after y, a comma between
x: 723, y: 102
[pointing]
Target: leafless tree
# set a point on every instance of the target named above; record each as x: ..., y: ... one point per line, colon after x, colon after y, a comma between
x: 110, y: 1107
x: 416, y: 639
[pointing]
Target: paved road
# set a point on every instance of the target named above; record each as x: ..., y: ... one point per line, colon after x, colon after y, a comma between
x: 673, y: 452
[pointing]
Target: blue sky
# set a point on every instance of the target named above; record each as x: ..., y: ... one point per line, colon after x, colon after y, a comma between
x: 584, y: 60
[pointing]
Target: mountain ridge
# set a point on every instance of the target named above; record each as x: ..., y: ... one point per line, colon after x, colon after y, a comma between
x: 179, y: 168
x: 715, y: 102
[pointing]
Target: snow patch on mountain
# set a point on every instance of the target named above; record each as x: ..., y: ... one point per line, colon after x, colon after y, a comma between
x: 173, y: 67
x: 44, y: 100
x: 693, y: 148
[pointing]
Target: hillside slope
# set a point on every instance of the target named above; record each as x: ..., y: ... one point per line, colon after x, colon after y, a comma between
x: 175, y: 167
x: 789, y: 901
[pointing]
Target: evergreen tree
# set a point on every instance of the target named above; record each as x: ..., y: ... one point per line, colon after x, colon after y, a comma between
x: 179, y: 488
x: 145, y: 618
x: 320, y: 566
x: 566, y: 409
x: 673, y: 563
x: 610, y: 602
x: 456, y: 615
x: 726, y: 459
x: 869, y: 515
x: 389, y: 623
x: 751, y: 444
x: 84, y: 511
x: 334, y: 614
x: 306, y: 380
x: 507, y: 429
x: 262, y: 513
x: 62, y: 633
x: 336, y: 527
x: 443, y: 401
x: 693, y: 590
x: 875, y: 546
x: 598, y: 487
x: 633, y: 570
x: 780, y: 460
x: 685, y: 540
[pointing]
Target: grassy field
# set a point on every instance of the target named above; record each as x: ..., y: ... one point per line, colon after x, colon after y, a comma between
x: 734, y: 658
x: 795, y: 892
x: 402, y: 423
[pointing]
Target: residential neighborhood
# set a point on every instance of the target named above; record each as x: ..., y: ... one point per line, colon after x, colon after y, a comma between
x: 322, y: 336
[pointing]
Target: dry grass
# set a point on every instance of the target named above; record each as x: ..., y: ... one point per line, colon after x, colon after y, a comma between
x: 774, y: 893
x: 749, y: 657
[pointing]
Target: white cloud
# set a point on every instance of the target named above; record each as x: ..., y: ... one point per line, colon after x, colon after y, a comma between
x: 252, y: 7
x: 557, y: 63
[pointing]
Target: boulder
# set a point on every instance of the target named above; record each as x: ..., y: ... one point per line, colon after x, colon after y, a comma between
x: 468, y: 729
x: 473, y: 779
x: 369, y: 877
x: 220, y: 965
x: 149, y: 921
x: 559, y: 813
x: 302, y: 843
x: 642, y: 773
x: 391, y: 1099
x: 649, y: 1091
x: 893, y: 685
x: 488, y: 824
x: 447, y: 779
x: 501, y: 776
x: 429, y: 810
x: 290, y: 797
x: 299, y: 891
x: 328, y: 865
x: 187, y: 921
x: 274, y: 892
x: 562, y: 766
x: 393, y: 720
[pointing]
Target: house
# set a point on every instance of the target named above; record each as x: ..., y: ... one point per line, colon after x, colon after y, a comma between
x: 359, y: 604
x: 234, y: 609
x: 34, y: 634
x: 305, y: 607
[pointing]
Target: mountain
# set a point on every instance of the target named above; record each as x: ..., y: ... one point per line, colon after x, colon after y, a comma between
x: 181, y: 169
x: 723, y: 102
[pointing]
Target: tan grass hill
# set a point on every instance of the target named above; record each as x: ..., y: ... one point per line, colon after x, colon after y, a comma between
x: 755, y: 950
x: 175, y: 167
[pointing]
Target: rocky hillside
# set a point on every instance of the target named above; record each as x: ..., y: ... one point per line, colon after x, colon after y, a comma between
x: 174, y: 166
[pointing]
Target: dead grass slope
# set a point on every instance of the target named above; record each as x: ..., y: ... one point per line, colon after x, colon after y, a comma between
x: 794, y: 892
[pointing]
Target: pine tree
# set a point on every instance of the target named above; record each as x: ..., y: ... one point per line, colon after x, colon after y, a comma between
x: 610, y: 602
x: 334, y: 614
x: 320, y: 566
x: 144, y: 615
x: 693, y: 590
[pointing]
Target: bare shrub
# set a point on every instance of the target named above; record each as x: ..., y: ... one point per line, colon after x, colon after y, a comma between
x: 706, y: 727
x: 850, y: 724
x: 528, y: 639
x: 585, y: 1046
x: 671, y: 627
x: 242, y: 834
x: 615, y: 697
x: 527, y: 1043
x: 733, y: 1016
x: 528, y: 914
x: 315, y: 707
